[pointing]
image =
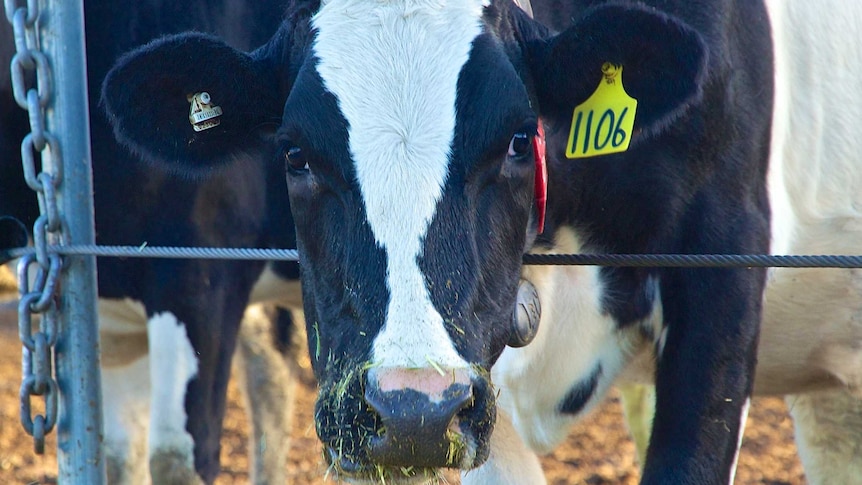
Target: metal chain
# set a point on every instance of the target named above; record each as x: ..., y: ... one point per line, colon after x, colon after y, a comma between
x: 31, y: 86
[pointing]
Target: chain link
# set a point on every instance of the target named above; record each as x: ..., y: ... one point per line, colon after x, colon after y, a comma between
x: 32, y: 89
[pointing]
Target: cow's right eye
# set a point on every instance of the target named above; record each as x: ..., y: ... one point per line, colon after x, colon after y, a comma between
x: 294, y: 160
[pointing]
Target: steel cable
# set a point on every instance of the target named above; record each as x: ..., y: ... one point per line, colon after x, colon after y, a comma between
x: 615, y: 260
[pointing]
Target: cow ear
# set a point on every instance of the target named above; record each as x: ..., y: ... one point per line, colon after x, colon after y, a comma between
x: 663, y: 64
x: 148, y: 95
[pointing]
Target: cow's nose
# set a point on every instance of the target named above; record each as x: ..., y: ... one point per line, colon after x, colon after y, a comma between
x: 418, y: 409
x: 345, y: 464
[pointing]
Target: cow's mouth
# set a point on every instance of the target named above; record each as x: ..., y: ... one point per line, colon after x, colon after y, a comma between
x: 358, y: 453
x: 405, y: 442
x: 461, y: 455
x: 377, y: 474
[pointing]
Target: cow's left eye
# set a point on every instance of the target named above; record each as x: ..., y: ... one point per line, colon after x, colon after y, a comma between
x: 520, y: 145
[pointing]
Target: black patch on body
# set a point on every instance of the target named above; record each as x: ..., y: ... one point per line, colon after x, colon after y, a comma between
x: 476, y: 300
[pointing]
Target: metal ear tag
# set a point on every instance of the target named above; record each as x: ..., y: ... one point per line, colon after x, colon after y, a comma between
x: 202, y: 114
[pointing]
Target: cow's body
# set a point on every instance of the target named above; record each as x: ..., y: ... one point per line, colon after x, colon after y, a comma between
x: 169, y: 327
x: 412, y: 215
x: 811, y: 334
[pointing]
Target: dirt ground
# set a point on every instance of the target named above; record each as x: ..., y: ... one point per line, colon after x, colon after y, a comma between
x: 598, y: 450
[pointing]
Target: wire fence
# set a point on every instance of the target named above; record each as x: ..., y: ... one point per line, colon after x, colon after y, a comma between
x: 613, y: 260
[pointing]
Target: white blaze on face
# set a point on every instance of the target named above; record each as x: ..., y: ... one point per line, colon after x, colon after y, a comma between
x: 394, y: 66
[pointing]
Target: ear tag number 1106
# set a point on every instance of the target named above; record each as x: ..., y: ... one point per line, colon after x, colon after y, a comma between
x: 603, y: 123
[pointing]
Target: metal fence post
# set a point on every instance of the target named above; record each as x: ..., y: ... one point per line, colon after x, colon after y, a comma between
x: 80, y: 427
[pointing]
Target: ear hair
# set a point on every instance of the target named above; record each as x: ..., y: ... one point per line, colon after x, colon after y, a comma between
x: 665, y: 63
x: 145, y: 99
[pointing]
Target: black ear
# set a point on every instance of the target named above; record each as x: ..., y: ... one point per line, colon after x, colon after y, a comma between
x: 664, y: 63
x: 146, y: 94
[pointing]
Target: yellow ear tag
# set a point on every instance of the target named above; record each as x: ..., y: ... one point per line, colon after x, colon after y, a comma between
x: 603, y: 123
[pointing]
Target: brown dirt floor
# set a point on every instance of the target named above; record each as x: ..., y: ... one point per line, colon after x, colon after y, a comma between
x: 598, y: 451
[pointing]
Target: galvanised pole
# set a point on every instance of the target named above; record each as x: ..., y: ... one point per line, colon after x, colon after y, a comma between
x: 80, y: 428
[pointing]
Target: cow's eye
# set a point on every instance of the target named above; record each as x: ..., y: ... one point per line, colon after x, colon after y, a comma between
x: 294, y: 160
x: 520, y: 145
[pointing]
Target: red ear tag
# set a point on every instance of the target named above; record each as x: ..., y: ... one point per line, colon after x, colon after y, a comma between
x: 541, y: 178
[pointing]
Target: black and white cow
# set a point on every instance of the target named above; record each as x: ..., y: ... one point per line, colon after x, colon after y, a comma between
x: 412, y: 135
x: 169, y: 327
x: 810, y: 338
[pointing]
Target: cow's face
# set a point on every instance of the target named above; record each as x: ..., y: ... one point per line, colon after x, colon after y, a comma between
x: 406, y: 135
x: 407, y: 145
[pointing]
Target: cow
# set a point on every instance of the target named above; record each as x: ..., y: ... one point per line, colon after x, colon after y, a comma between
x: 809, y: 347
x: 428, y: 145
x: 168, y: 328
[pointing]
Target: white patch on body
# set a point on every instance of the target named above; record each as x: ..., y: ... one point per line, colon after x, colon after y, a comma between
x: 394, y: 67
x: 510, y: 462
x: 811, y: 336
x: 828, y: 430
x: 574, y: 337
x: 172, y: 365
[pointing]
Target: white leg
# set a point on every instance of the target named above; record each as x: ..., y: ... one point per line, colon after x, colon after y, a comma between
x: 125, y: 389
x: 125, y: 397
x: 829, y: 436
x: 267, y: 380
x: 172, y: 365
x: 510, y: 461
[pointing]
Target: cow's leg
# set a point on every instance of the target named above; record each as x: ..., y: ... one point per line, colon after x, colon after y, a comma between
x: 174, y: 363
x: 706, y: 358
x: 510, y: 462
x: 194, y: 319
x: 125, y: 389
x: 267, y: 377
x: 829, y: 435
x: 191, y: 360
x: 125, y: 396
x: 638, y: 402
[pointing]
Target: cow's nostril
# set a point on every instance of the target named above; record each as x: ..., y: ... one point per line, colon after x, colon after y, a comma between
x: 343, y: 463
x: 418, y: 409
